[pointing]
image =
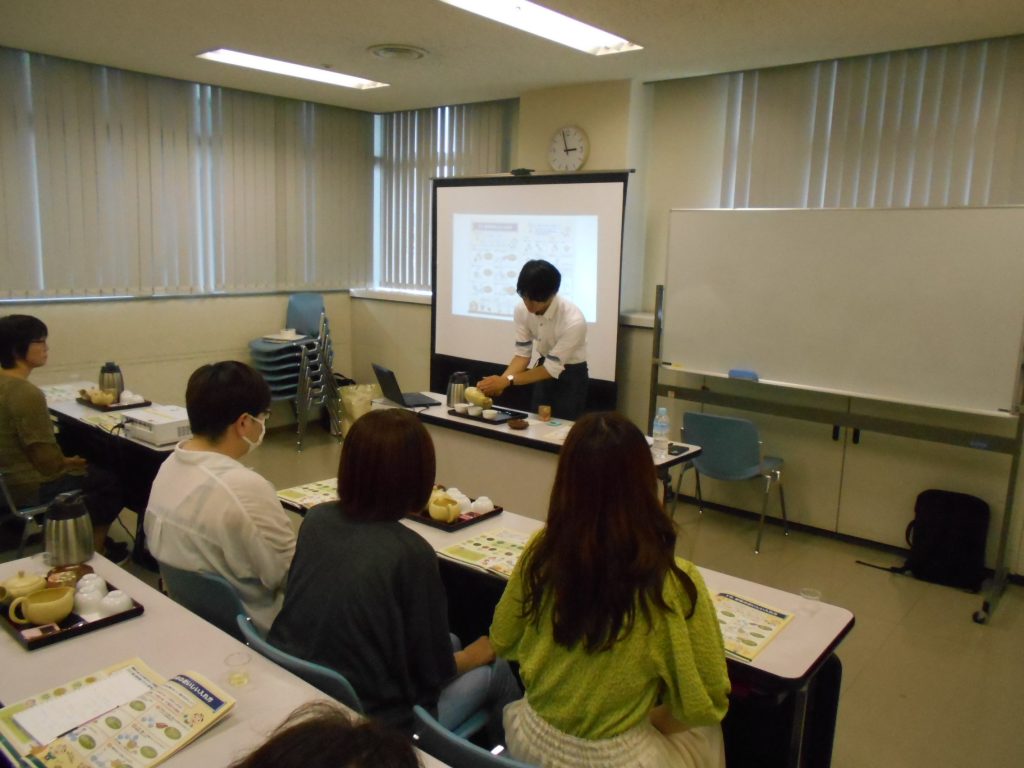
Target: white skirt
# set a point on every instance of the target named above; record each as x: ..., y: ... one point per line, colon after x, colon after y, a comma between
x: 532, y: 740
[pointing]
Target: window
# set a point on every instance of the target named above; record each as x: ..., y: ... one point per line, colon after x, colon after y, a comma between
x: 116, y: 183
x: 939, y: 126
x: 411, y: 148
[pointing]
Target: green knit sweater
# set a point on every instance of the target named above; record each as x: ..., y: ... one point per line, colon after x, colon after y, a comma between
x: 674, y: 661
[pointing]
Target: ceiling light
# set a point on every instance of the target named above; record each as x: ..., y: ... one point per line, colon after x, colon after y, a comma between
x: 541, y: 21
x: 278, y: 67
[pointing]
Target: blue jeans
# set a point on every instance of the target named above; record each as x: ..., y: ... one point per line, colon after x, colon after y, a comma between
x: 489, y: 687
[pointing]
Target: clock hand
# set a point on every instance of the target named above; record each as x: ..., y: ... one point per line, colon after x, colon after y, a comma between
x: 564, y: 142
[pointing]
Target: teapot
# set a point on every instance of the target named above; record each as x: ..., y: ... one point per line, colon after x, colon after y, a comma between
x: 111, y: 380
x: 457, y: 384
x: 21, y: 585
x: 67, y: 533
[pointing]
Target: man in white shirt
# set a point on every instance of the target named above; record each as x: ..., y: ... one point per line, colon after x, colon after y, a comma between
x: 554, y: 328
x: 206, y: 511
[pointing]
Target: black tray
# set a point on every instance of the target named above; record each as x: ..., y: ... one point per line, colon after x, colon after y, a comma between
x: 113, y: 407
x: 72, y: 626
x: 504, y: 414
x: 464, y: 520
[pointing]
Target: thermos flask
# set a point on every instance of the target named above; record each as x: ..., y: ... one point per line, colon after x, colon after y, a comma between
x: 457, y: 384
x: 111, y: 380
x: 67, y: 532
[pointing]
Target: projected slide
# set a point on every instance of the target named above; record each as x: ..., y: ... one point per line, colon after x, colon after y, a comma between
x: 489, y: 250
x: 486, y: 228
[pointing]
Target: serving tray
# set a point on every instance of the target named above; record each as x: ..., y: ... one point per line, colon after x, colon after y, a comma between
x: 503, y: 416
x: 112, y: 407
x: 464, y: 520
x: 32, y: 636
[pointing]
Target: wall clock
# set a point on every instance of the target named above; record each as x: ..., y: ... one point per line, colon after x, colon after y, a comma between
x: 569, y: 149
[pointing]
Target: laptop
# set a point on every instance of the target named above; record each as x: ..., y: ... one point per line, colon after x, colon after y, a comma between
x: 389, y: 386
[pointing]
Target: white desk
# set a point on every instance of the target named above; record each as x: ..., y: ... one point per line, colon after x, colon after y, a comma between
x: 170, y: 639
x: 515, y: 468
x: 814, y: 632
x: 87, y: 432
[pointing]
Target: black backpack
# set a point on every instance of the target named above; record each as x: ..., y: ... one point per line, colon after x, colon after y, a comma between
x: 947, y: 539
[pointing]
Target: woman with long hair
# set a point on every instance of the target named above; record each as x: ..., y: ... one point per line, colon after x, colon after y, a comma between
x: 617, y: 639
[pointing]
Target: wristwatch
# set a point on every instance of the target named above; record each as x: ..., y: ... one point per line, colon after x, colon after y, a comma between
x: 511, y: 379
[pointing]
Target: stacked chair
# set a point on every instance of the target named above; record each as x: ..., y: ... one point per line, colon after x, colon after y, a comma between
x: 300, y: 371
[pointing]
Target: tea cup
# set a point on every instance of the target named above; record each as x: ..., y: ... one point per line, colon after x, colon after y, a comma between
x: 92, y: 582
x: 475, y: 410
x: 115, y: 601
x: 88, y: 601
x: 47, y: 606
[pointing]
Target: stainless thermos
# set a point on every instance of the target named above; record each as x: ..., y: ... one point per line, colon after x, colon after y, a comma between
x: 67, y: 532
x: 111, y: 380
x: 457, y: 384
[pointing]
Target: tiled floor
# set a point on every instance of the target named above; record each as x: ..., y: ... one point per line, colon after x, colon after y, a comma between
x: 922, y: 684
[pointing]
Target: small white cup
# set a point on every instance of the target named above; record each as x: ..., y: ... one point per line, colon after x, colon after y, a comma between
x: 490, y: 414
x: 88, y: 601
x: 92, y: 582
x: 475, y: 410
x: 482, y: 504
x: 115, y: 602
x: 461, y: 407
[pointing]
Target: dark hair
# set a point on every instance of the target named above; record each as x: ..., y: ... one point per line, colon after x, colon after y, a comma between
x: 387, y: 466
x: 322, y: 735
x: 539, y: 280
x: 219, y: 393
x: 16, y: 333
x: 609, y: 545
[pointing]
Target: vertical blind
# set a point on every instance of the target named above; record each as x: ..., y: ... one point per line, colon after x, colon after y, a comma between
x: 412, y: 148
x: 939, y: 126
x: 116, y: 183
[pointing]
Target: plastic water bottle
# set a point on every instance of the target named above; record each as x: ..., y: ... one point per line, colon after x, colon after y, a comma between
x: 660, y: 433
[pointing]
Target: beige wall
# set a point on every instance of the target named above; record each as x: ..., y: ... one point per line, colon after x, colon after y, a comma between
x: 159, y: 342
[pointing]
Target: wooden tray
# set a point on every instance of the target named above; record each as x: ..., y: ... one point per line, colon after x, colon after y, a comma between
x: 32, y: 636
x: 113, y: 407
x: 464, y: 520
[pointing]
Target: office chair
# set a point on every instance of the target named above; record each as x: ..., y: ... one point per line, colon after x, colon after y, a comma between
x: 731, y: 450
x: 451, y: 749
x: 328, y: 680
x: 27, y: 514
x: 208, y: 595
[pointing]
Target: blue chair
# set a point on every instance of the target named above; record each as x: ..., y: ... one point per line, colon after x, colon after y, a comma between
x: 328, y: 680
x: 208, y: 595
x: 27, y: 514
x: 731, y: 450
x: 452, y: 749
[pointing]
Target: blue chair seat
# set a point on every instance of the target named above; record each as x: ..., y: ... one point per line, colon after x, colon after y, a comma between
x: 731, y: 451
x: 451, y: 748
x: 208, y: 595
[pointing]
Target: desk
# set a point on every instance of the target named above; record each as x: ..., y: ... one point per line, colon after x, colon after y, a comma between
x: 86, y: 432
x: 170, y: 639
x: 480, y: 459
x: 787, y: 667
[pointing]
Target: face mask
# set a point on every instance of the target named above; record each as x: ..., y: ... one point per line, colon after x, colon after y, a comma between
x: 254, y: 444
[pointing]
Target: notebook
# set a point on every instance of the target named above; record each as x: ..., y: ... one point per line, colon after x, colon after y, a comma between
x: 389, y: 386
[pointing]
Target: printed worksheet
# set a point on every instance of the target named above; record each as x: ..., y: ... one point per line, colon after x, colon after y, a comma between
x: 747, y: 626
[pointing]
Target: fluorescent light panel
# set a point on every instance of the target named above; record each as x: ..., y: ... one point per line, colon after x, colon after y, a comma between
x: 278, y: 67
x: 549, y: 24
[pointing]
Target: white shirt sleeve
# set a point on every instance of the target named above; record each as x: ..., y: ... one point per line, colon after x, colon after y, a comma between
x: 524, y: 336
x: 266, y: 543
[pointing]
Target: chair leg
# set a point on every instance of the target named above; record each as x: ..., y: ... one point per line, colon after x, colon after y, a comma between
x: 26, y: 531
x: 782, y: 502
x: 700, y: 497
x: 764, y: 511
x: 679, y: 485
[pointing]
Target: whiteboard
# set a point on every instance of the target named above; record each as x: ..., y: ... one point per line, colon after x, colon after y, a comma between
x: 917, y: 306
